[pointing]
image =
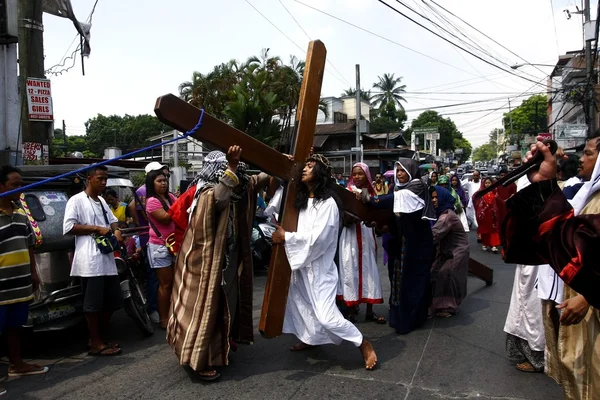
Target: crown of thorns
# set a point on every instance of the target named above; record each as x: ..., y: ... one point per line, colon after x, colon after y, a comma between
x: 321, y: 159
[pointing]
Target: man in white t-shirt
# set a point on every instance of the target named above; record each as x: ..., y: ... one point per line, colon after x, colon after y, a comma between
x: 87, y: 216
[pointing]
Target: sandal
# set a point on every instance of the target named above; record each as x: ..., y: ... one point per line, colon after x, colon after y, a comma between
x: 30, y: 370
x: 106, y: 351
x: 378, y: 319
x: 208, y: 375
x: 526, y: 367
x: 443, y: 314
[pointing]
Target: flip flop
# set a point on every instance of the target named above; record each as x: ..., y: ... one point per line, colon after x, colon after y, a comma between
x: 526, y: 367
x: 2, y: 391
x: 208, y: 378
x: 33, y: 371
x: 106, y: 351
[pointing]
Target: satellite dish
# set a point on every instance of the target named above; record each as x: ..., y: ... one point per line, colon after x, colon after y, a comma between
x: 77, y: 154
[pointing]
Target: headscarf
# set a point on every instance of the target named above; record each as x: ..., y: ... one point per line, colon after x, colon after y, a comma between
x: 464, y: 199
x: 445, y: 200
x: 214, y: 166
x: 443, y: 179
x: 415, y: 185
x: 365, y: 169
x: 587, y: 189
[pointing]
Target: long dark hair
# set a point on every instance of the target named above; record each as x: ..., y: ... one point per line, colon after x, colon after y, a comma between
x: 323, y: 188
x: 151, y: 192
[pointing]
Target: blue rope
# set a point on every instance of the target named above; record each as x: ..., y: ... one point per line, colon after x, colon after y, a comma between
x: 36, y: 184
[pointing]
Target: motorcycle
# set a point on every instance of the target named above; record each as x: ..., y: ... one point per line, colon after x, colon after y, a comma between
x: 134, y: 300
x: 261, y: 241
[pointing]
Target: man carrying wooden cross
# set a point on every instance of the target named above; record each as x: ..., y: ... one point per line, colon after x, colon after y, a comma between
x: 311, y: 311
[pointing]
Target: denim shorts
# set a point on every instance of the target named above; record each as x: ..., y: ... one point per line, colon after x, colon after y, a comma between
x: 13, y: 315
x: 159, y: 256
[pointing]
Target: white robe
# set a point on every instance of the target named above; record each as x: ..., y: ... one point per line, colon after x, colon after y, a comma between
x: 471, y: 188
x: 359, y: 281
x: 311, y: 312
x: 524, y: 319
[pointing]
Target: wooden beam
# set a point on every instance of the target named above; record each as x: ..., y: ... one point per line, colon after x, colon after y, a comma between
x: 481, y: 271
x: 278, y: 279
x: 182, y: 116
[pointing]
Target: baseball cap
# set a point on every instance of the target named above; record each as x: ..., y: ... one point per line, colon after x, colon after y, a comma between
x: 153, y: 166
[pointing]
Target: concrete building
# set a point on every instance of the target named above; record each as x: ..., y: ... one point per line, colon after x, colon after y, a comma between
x: 566, y: 97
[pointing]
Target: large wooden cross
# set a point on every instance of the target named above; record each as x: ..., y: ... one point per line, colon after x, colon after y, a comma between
x: 182, y: 116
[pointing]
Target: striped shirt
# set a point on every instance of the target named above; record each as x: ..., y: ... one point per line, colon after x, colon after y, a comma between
x: 16, y: 237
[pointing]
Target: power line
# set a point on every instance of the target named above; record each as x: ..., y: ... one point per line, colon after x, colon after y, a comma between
x: 309, y: 38
x: 474, y: 47
x: 286, y: 36
x: 554, y: 23
x: 383, y: 37
x: 454, y: 44
x: 477, y: 30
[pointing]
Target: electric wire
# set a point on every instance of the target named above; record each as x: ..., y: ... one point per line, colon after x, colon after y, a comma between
x: 286, y: 36
x: 475, y: 48
x: 454, y: 44
x: 383, y: 38
x: 490, y: 38
x: 309, y: 38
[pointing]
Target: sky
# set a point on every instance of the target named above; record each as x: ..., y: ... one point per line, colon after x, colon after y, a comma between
x: 144, y: 49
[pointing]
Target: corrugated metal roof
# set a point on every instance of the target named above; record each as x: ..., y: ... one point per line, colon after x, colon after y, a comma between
x: 318, y: 141
x: 377, y: 136
x: 332, y: 129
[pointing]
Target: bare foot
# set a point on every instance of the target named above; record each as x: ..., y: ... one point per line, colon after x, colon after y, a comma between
x: 301, y: 346
x: 369, y: 355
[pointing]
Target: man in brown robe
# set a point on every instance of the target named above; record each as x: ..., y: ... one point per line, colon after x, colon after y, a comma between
x: 211, y: 302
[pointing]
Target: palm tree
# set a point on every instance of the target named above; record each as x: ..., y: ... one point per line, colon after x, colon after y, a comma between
x: 389, y: 90
x: 365, y: 95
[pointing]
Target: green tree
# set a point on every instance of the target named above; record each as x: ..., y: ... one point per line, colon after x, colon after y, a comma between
x: 389, y: 91
x: 447, y: 130
x: 485, y: 152
x: 530, y: 118
x: 128, y: 132
x: 388, y: 120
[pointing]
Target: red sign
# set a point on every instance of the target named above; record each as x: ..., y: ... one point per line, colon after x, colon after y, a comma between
x: 545, y: 136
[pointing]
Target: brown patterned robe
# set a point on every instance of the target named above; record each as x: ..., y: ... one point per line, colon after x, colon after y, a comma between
x: 202, y: 319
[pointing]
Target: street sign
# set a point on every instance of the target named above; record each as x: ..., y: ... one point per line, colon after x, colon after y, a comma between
x: 568, y: 131
x: 432, y: 136
x: 39, y: 99
x: 355, y: 149
x: 429, y: 129
x: 545, y: 136
x: 458, y: 151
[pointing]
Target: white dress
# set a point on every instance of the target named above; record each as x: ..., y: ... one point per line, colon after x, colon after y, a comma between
x: 311, y: 313
x: 359, y: 277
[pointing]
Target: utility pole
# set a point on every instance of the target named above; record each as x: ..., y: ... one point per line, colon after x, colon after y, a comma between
x: 31, y: 65
x: 359, y: 155
x: 510, y: 121
x: 589, y: 57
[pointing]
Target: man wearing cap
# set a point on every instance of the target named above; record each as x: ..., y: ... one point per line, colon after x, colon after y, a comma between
x: 137, y: 209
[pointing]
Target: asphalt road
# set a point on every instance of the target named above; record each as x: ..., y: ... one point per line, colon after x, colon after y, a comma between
x: 455, y: 358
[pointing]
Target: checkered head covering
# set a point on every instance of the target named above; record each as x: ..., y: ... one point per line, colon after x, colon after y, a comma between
x: 321, y: 159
